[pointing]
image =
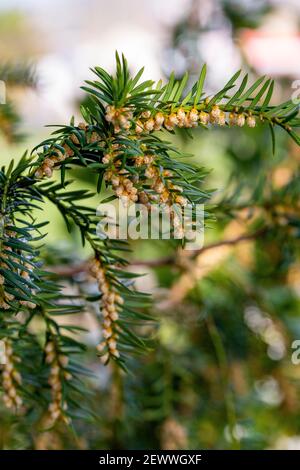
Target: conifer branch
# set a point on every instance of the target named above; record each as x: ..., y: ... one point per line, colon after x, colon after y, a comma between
x: 121, y: 141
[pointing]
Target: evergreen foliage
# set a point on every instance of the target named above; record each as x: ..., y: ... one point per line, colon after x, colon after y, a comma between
x: 123, y: 142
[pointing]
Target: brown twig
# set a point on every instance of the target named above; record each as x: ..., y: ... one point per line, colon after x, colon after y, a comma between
x: 69, y: 271
x: 169, y: 260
